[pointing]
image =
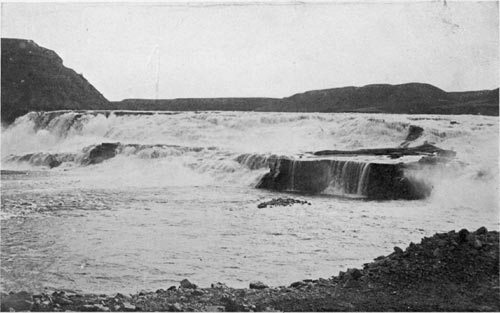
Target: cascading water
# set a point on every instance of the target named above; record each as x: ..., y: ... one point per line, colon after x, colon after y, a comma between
x: 171, y: 196
x: 348, y: 178
x: 228, y: 145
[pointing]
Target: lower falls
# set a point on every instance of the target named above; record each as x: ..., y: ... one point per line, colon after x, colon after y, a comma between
x: 384, y: 178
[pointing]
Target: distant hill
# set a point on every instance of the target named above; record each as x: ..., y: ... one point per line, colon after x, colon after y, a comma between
x: 197, y: 104
x: 412, y: 98
x: 35, y: 79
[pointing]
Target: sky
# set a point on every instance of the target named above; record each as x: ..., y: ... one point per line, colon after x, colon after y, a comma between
x: 191, y: 50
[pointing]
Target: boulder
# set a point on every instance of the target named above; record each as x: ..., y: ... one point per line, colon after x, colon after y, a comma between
x: 258, y: 285
x: 187, y: 284
x: 354, y: 273
x: 481, y: 230
x: 463, y: 235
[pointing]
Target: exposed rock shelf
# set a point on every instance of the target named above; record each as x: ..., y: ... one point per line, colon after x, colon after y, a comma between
x: 325, y: 172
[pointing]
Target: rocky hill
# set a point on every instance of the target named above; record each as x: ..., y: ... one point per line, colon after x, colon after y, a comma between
x: 412, y: 98
x: 35, y: 79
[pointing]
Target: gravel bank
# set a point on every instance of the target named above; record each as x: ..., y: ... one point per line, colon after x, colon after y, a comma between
x: 454, y: 271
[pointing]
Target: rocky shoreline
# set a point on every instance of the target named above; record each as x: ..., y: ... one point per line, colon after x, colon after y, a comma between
x: 453, y: 271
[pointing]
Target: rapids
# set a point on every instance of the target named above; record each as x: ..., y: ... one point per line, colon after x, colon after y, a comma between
x: 178, y: 198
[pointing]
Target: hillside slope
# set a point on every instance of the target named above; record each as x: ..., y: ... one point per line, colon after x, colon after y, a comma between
x: 35, y: 79
x: 412, y: 98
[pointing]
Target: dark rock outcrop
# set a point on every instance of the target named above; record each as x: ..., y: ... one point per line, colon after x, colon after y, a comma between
x: 100, y: 153
x: 35, y: 79
x: 425, y: 149
x: 414, y: 132
x: 382, y: 181
x: 371, y: 180
x: 281, y: 202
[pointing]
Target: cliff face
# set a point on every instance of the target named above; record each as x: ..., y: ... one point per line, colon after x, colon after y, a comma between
x: 35, y: 79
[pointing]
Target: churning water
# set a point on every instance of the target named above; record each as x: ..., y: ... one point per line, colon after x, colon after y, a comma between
x: 178, y: 200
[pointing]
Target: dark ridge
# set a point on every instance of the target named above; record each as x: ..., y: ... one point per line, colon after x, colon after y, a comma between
x: 412, y: 98
x: 196, y: 104
x: 35, y: 79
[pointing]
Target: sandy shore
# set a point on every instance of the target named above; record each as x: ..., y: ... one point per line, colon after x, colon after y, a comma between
x: 454, y: 271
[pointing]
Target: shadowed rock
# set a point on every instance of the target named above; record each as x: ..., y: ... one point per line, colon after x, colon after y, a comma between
x: 101, y: 153
x: 371, y: 180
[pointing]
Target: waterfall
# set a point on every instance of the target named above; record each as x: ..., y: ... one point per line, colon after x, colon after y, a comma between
x: 293, y: 168
x: 348, y: 178
x: 254, y: 161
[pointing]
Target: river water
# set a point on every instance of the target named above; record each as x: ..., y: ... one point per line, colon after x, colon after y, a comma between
x: 150, y: 217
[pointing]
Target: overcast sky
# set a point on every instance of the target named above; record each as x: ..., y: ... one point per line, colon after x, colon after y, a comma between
x: 177, y: 51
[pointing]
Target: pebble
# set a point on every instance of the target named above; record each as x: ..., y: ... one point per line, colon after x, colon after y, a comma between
x: 101, y: 307
x: 485, y: 308
x: 477, y: 244
x: 62, y: 299
x: 436, y: 253
x: 219, y: 285
x: 88, y: 307
x: 351, y: 283
x: 176, y: 307
x: 215, y: 308
x: 127, y: 307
